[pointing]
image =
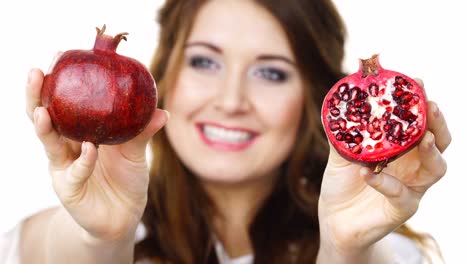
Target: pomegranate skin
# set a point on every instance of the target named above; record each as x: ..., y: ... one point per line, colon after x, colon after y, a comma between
x: 98, y: 95
x: 375, y: 115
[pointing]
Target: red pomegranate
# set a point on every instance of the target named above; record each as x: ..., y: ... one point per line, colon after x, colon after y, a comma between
x: 98, y: 95
x: 374, y: 115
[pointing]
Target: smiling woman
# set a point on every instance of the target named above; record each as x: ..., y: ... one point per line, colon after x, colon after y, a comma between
x: 221, y: 101
x: 240, y: 169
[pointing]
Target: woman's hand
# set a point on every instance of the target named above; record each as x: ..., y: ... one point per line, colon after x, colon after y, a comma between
x: 105, y: 189
x: 357, y: 207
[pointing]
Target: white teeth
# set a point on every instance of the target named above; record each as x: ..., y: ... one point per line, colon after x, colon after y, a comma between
x: 225, y: 135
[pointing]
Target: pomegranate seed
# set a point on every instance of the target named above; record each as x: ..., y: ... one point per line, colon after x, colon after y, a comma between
x: 348, y: 138
x: 358, y: 138
x: 377, y: 135
x: 415, y: 100
x: 336, y: 98
x: 382, y: 92
x: 340, y: 136
x: 373, y: 89
x: 409, y: 130
x: 387, y: 127
x: 376, y: 123
x: 385, y: 102
x: 345, y: 96
x: 400, y: 80
x: 355, y: 91
x: 354, y: 117
x: 335, y: 111
x: 406, y: 97
x: 386, y: 115
x: 334, y: 126
x: 415, y: 132
x: 351, y: 107
x: 397, y: 93
x: 397, y: 128
x: 406, y: 106
x: 342, y: 123
x: 362, y: 96
x: 370, y: 128
x: 366, y: 107
x: 357, y: 149
x: 343, y: 87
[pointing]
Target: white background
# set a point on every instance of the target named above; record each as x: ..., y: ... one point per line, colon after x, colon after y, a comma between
x: 420, y: 39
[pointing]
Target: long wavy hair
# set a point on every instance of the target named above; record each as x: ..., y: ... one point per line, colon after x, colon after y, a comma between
x: 285, y: 229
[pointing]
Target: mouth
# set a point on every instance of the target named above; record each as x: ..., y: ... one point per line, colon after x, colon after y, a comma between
x: 226, y: 138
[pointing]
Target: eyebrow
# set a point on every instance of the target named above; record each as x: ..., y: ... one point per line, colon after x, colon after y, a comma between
x: 204, y: 44
x: 262, y: 57
x: 276, y: 57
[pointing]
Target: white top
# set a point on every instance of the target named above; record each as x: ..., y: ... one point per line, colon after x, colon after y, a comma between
x: 405, y: 249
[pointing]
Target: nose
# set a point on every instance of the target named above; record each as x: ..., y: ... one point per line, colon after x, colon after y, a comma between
x: 232, y: 95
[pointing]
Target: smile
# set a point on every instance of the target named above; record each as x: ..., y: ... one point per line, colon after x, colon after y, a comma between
x: 226, y: 139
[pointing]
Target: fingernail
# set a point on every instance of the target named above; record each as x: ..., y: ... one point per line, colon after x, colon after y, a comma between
x: 167, y: 114
x: 84, y: 149
x: 36, y: 114
x: 431, y: 141
x: 436, y: 111
x: 29, y: 76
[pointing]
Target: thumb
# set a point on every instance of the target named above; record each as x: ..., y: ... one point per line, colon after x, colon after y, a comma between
x: 136, y: 148
x: 79, y: 172
x: 335, y: 158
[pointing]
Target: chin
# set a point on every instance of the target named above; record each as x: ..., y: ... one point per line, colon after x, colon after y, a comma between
x: 227, y: 177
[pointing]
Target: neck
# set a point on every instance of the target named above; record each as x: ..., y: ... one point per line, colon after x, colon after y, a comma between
x: 236, y: 206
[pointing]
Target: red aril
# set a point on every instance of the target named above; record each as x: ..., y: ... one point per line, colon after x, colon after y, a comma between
x: 98, y: 95
x: 374, y: 115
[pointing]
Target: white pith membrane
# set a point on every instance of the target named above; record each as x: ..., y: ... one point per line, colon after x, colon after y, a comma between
x: 223, y: 135
x: 389, y: 128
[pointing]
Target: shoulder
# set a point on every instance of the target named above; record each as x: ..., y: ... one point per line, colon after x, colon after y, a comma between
x: 405, y: 249
x: 9, y: 245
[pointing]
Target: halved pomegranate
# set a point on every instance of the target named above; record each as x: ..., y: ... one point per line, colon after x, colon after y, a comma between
x: 374, y: 115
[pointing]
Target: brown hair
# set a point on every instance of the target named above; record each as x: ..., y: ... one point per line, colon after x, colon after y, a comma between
x: 285, y: 229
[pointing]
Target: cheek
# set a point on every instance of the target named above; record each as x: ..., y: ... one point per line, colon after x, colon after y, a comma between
x: 186, y: 95
x: 282, y: 112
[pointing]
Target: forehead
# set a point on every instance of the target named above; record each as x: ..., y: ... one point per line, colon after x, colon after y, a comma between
x: 239, y: 23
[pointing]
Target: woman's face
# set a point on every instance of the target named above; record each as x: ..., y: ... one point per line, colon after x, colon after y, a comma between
x: 237, y: 102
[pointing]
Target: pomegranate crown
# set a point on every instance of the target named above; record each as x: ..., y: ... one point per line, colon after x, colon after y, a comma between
x: 108, y: 43
x: 370, y: 66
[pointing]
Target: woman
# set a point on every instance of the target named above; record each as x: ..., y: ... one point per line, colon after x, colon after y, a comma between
x: 242, y: 171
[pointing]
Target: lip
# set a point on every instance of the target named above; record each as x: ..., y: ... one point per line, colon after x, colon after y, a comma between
x: 226, y: 146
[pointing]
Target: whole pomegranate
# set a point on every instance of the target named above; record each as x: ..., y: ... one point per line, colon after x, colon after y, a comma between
x: 98, y: 95
x: 374, y: 115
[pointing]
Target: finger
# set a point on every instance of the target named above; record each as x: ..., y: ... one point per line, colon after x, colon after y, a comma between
x: 394, y: 190
x: 433, y: 165
x: 34, y: 85
x: 70, y: 186
x: 33, y: 91
x: 437, y: 124
x: 54, y: 61
x: 335, y: 158
x: 53, y: 143
x: 421, y: 84
x: 135, y: 149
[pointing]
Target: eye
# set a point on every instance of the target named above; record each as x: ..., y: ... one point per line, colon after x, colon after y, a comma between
x: 204, y: 63
x: 272, y: 74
